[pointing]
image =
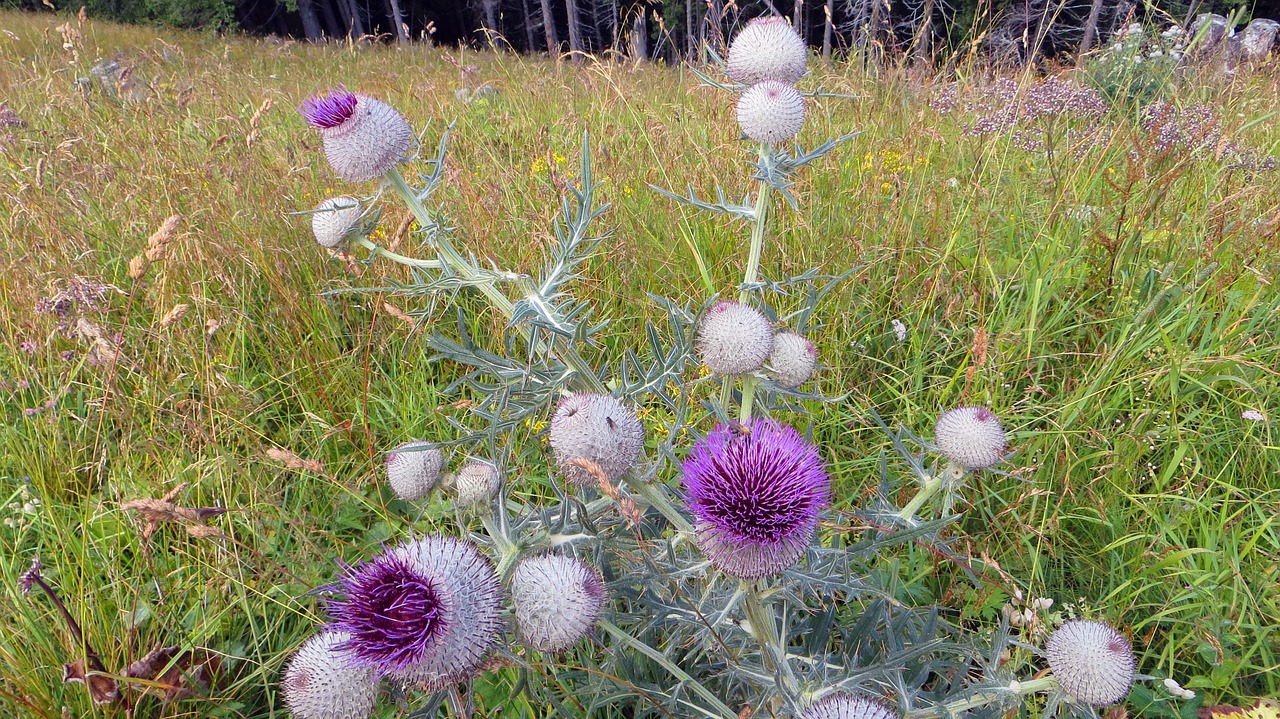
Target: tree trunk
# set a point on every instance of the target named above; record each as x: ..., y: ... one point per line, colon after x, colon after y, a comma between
x: 797, y: 20
x: 492, y: 31
x: 1090, y: 28
x: 575, y: 30
x: 826, y: 30
x: 923, y: 51
x: 640, y: 36
x: 310, y: 21
x: 397, y: 19
x: 690, y: 35
x: 357, y: 22
x: 530, y: 39
x: 330, y: 20
x: 715, y: 24
x: 549, y: 28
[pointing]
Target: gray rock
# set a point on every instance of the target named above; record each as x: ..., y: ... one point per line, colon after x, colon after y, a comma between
x: 107, y: 71
x: 1208, y: 32
x: 1256, y: 39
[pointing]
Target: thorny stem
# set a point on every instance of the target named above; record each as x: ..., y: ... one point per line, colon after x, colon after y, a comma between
x: 670, y: 666
x: 463, y: 268
x: 658, y: 499
x: 765, y: 629
x: 930, y: 488
x: 508, y: 551
x: 379, y: 250
x: 749, y: 383
x: 984, y: 698
x: 757, y: 230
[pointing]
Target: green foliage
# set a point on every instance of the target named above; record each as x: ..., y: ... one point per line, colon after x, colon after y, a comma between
x: 1137, y: 69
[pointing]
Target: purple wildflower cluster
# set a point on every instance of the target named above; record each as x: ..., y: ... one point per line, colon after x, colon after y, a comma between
x: 1025, y: 112
x: 756, y: 491
x: 76, y: 296
x: 326, y: 110
x: 1197, y: 128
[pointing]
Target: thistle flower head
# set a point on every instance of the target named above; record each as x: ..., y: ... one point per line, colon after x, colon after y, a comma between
x: 970, y: 436
x: 363, y: 137
x: 768, y: 48
x: 792, y: 361
x: 849, y: 706
x: 756, y: 492
x: 1093, y: 663
x: 557, y: 600
x: 427, y: 611
x: 734, y: 338
x: 323, y: 681
x: 477, y: 483
x: 333, y: 220
x: 599, y: 428
x: 413, y: 469
x: 771, y: 112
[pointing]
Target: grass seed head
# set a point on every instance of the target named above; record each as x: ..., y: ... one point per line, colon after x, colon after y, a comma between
x: 334, y: 219
x: 768, y: 48
x: 363, y: 137
x: 734, y: 338
x: 792, y: 361
x: 599, y: 428
x: 771, y: 112
x: 323, y: 681
x: 413, y: 469
x: 557, y: 601
x: 1093, y: 663
x: 970, y: 436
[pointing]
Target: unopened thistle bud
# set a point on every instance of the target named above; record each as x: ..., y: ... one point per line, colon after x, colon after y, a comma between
x: 598, y: 428
x: 363, y: 137
x: 849, y: 706
x: 413, y: 469
x: 970, y: 436
x: 1093, y: 663
x: 792, y: 361
x: 734, y: 338
x: 333, y: 220
x: 771, y: 112
x: 477, y: 483
x: 557, y: 601
x: 768, y: 48
x: 324, y: 681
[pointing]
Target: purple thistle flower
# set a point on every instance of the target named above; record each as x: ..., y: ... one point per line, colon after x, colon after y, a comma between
x: 756, y: 492
x: 30, y: 577
x: 330, y: 108
x: 427, y: 611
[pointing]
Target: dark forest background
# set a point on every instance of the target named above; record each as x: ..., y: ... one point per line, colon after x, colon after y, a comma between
x: 674, y: 29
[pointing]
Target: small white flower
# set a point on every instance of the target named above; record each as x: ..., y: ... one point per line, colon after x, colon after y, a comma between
x: 1177, y: 690
x: 1253, y: 415
x: 899, y: 330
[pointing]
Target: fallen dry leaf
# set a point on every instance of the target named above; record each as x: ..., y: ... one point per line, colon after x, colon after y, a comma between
x: 293, y: 461
x: 102, y: 688
x: 172, y: 673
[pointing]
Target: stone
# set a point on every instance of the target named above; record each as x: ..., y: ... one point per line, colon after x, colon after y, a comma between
x: 1257, y: 38
x: 1208, y: 32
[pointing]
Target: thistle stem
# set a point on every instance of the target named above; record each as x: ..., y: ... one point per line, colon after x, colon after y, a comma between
x: 670, y: 666
x: 984, y: 698
x: 765, y: 629
x: 658, y: 499
x: 749, y: 383
x: 930, y: 488
x: 760, y: 218
x: 380, y: 251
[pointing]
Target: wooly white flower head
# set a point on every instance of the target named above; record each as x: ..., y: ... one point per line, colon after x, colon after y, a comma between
x: 734, y: 338
x: 557, y: 600
x: 425, y: 612
x: 768, y: 48
x: 771, y: 112
x: 792, y: 361
x: 413, y: 469
x: 849, y: 706
x: 1093, y: 663
x: 363, y: 137
x: 324, y: 681
x: 970, y: 436
x: 333, y: 220
x: 598, y: 428
x: 476, y: 483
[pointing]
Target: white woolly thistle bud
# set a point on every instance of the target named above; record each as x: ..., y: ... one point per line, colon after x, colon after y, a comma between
x: 771, y: 112
x: 476, y: 483
x: 1093, y: 663
x: 598, y: 428
x: 323, y: 681
x: 792, y: 360
x: 363, y: 137
x: 768, y: 48
x: 333, y: 220
x: 734, y: 338
x: 970, y: 436
x: 557, y: 601
x: 413, y: 469
x: 849, y: 706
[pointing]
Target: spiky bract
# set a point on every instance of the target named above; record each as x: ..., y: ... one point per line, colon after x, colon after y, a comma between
x: 734, y: 338
x: 792, y: 360
x: 849, y: 706
x: 598, y: 428
x: 756, y: 492
x: 771, y: 112
x: 363, y: 137
x: 426, y: 612
x: 323, y: 681
x: 1093, y: 663
x: 557, y: 600
x: 477, y: 483
x: 333, y: 220
x: 413, y: 469
x: 768, y: 48
x: 970, y: 436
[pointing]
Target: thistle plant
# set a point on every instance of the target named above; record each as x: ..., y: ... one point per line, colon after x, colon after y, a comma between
x: 705, y: 570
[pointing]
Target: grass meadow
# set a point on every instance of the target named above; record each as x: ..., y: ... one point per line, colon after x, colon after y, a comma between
x: 1119, y: 310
